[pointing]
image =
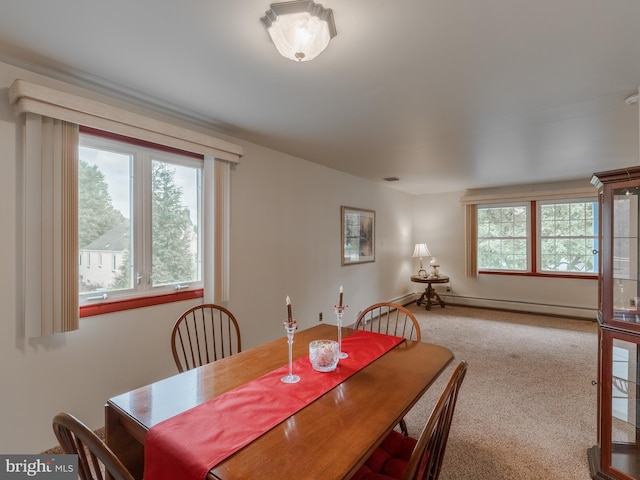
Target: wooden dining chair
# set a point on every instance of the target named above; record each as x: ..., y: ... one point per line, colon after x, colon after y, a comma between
x: 404, y: 458
x: 389, y: 318
x: 204, y: 334
x: 392, y: 319
x: 96, y: 461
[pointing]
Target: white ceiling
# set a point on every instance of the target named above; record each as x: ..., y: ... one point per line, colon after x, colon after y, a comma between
x: 444, y: 94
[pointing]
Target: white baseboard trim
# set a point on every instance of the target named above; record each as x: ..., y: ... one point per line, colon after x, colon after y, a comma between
x: 518, y: 306
x: 405, y: 299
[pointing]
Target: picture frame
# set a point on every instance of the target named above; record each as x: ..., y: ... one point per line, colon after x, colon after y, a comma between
x: 357, y: 235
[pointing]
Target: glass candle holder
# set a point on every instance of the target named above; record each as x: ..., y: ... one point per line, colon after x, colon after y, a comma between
x: 339, y: 309
x: 290, y: 326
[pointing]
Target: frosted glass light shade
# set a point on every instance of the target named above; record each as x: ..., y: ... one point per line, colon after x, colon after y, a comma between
x: 300, y: 30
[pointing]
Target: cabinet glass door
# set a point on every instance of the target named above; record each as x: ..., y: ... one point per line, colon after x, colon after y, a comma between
x: 624, y: 408
x: 626, y: 297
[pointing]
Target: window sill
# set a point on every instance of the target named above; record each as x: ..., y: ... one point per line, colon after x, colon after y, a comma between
x: 578, y: 276
x: 132, y: 303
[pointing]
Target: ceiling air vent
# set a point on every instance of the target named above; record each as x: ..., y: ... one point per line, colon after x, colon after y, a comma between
x: 391, y: 179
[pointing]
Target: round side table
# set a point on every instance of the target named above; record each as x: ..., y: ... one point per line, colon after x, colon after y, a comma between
x: 430, y: 297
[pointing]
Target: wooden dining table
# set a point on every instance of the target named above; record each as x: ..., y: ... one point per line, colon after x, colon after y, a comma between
x: 330, y: 438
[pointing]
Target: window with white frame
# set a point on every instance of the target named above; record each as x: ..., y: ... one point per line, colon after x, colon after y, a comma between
x: 143, y: 207
x: 553, y: 237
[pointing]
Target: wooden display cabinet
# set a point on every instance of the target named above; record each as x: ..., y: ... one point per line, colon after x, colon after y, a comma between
x: 617, y: 454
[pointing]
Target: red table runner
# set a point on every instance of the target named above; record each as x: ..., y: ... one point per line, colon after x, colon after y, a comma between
x: 190, y: 444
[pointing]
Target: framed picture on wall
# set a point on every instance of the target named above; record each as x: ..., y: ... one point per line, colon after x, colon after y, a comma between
x: 358, y: 229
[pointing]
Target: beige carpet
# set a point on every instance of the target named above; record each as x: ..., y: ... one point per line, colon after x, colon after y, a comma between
x: 527, y: 408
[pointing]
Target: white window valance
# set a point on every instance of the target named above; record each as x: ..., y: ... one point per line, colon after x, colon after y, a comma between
x: 49, y: 102
x: 526, y: 193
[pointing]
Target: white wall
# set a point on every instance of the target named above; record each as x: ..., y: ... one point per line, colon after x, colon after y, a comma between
x: 439, y: 220
x: 285, y: 236
x: 286, y: 241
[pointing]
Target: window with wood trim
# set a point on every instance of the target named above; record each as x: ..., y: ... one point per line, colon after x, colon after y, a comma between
x: 568, y: 237
x: 546, y: 237
x: 503, y: 237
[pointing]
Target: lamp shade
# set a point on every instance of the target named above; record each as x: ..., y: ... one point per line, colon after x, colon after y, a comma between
x: 421, y: 250
x: 300, y: 30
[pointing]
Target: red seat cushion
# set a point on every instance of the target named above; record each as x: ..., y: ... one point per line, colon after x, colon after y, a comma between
x: 389, y: 460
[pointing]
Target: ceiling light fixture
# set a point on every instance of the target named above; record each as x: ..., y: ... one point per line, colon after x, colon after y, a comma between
x: 300, y: 30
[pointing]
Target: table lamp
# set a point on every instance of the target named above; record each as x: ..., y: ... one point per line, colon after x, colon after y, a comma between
x: 420, y: 251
